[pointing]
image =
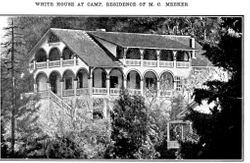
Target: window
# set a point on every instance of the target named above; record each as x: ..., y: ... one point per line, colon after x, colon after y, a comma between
x: 103, y: 79
x: 178, y: 81
x: 41, y: 56
x: 182, y: 56
x: 150, y: 82
x: 113, y: 81
x: 68, y: 83
x: 80, y: 81
x: 67, y: 54
x: 138, y: 80
x: 150, y: 54
x: 166, y: 55
x: 54, y: 54
x: 133, y: 53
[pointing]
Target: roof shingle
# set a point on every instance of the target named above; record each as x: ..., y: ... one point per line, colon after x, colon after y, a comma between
x: 141, y: 40
x: 80, y: 43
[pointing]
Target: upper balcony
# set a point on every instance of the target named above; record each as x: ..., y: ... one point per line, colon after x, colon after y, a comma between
x: 155, y: 58
x: 55, y: 58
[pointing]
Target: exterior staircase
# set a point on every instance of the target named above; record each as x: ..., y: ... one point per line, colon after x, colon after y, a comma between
x: 56, y: 99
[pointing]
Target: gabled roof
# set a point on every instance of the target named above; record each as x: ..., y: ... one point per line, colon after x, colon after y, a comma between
x: 93, y: 54
x: 141, y: 40
x: 82, y: 45
x: 174, y: 42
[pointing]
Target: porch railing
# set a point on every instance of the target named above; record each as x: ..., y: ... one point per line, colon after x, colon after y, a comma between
x: 150, y: 63
x: 82, y: 91
x: 68, y: 62
x: 40, y: 65
x: 166, y: 64
x: 54, y: 63
x: 58, y: 101
x: 114, y: 91
x: 100, y: 91
x: 134, y: 91
x: 68, y: 92
x: 43, y: 94
x: 133, y: 62
x: 180, y: 64
x: 52, y: 96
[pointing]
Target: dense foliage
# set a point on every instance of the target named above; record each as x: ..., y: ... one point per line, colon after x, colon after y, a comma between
x: 129, y: 126
x: 224, y: 125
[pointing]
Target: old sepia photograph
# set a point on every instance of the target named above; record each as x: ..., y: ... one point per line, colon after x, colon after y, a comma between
x: 152, y: 88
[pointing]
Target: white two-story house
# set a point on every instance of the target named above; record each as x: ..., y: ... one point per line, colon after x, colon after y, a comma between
x: 70, y: 63
x: 98, y: 63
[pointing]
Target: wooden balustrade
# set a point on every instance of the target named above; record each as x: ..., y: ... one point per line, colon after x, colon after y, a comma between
x: 133, y: 62
x: 100, y: 91
x: 134, y: 91
x: 68, y: 62
x: 68, y: 92
x: 114, y: 91
x: 169, y: 64
x: 43, y: 94
x: 54, y: 63
x: 82, y: 91
x: 41, y: 65
x: 150, y: 63
x: 180, y: 64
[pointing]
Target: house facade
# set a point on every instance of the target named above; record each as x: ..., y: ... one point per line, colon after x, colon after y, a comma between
x: 70, y: 63
x: 98, y: 63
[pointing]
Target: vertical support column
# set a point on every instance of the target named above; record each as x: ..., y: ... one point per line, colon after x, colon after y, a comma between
x: 34, y: 64
x: 61, y: 61
x: 141, y: 51
x: 192, y: 45
x: 90, y: 90
x: 158, y: 88
x: 35, y: 88
x: 90, y: 81
x: 47, y: 62
x: 168, y: 132
x: 189, y: 59
x: 125, y: 83
x: 174, y: 52
x: 124, y: 56
x: 108, y: 84
x: 74, y: 60
x: 61, y: 86
x: 75, y: 86
x: 141, y: 86
x: 158, y: 57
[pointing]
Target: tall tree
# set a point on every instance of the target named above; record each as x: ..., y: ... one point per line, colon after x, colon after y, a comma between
x: 221, y: 131
x: 14, y: 76
x: 129, y: 126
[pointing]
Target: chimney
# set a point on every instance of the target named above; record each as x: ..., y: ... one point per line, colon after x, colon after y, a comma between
x: 192, y: 45
x: 101, y: 30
